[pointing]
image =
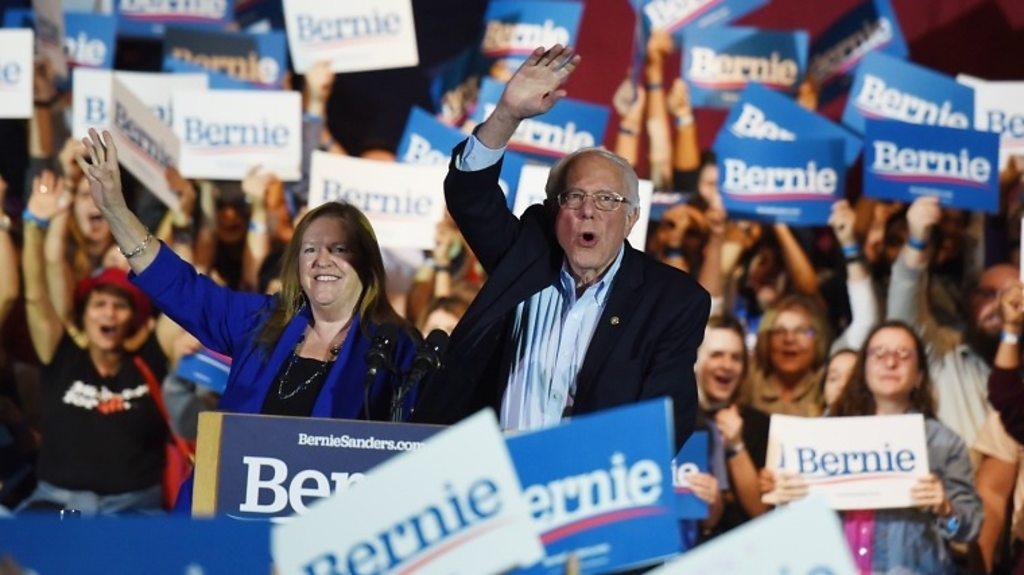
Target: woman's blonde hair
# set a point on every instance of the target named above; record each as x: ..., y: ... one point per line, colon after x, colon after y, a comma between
x: 822, y: 333
x: 373, y: 304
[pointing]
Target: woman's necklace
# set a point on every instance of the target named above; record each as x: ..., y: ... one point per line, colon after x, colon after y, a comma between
x: 319, y: 372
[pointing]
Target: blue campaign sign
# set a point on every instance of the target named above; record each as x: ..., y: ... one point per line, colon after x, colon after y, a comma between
x: 692, y: 458
x: 251, y: 60
x: 679, y: 15
x: 216, y: 80
x: 427, y: 141
x: 513, y: 28
x: 611, y: 501
x: 206, y: 368
x: 148, y: 19
x: 89, y: 39
x: 903, y: 161
x: 566, y: 127
x: 871, y: 26
x: 158, y: 545
x: 887, y: 88
x: 791, y: 182
x: 719, y: 62
x: 277, y: 466
x: 764, y: 114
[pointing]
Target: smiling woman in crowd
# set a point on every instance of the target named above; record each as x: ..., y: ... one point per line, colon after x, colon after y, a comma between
x: 792, y: 345
x: 891, y: 379
x: 300, y: 352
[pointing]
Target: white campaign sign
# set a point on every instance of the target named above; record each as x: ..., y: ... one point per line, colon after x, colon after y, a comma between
x: 49, y: 27
x: 16, y: 73
x: 92, y: 88
x: 803, y: 538
x: 352, y: 36
x: 999, y: 108
x: 453, y: 506
x: 145, y: 145
x: 225, y: 133
x: 853, y: 462
x: 404, y: 202
x: 531, y: 191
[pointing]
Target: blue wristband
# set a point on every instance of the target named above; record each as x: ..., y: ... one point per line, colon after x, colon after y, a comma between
x: 30, y: 218
x: 674, y: 253
x: 851, y: 251
x: 916, y: 243
x: 952, y: 525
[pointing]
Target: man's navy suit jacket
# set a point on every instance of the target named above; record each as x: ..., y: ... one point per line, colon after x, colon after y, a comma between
x: 644, y: 345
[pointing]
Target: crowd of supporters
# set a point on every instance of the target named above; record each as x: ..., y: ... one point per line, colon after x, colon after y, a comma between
x: 891, y: 309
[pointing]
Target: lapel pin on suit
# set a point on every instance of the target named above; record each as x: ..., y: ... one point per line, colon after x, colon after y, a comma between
x: 614, y: 320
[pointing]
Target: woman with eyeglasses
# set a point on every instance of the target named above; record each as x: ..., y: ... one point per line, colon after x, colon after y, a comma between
x: 892, y: 378
x: 792, y: 345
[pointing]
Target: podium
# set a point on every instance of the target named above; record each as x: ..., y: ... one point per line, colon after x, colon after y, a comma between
x: 261, y: 467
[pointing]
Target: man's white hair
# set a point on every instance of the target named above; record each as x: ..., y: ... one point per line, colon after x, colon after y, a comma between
x: 556, y: 177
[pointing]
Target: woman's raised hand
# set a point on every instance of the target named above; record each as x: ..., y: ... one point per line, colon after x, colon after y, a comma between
x: 99, y: 164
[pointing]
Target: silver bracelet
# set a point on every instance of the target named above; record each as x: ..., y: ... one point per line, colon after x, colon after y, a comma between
x: 138, y: 249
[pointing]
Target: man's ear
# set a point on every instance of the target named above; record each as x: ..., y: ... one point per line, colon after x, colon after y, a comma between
x: 631, y: 219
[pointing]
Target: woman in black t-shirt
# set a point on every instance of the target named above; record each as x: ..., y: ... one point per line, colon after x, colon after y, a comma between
x: 102, y: 448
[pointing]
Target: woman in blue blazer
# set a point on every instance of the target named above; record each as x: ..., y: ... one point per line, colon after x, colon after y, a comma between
x: 300, y: 352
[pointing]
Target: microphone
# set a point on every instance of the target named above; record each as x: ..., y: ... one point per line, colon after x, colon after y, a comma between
x: 381, y: 349
x: 378, y: 357
x: 428, y: 359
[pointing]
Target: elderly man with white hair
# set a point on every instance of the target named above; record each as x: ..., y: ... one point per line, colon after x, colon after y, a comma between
x: 572, y: 319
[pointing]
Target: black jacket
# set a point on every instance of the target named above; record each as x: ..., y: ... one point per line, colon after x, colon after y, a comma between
x: 644, y: 345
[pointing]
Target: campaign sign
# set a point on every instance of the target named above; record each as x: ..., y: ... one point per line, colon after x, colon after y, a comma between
x: 764, y: 114
x: 352, y: 36
x: 256, y: 60
x: 887, y: 88
x: 453, y: 506
x: 530, y: 191
x: 566, y: 127
x: 791, y: 182
x: 89, y: 39
x: 610, y: 503
x: 692, y: 458
x: 868, y: 27
x: 904, y: 161
x: 224, y: 133
x: 91, y: 95
x: 16, y: 73
x: 514, y: 28
x: 158, y: 545
x: 48, y: 23
x: 853, y: 462
x: 261, y: 468
x: 217, y: 80
x: 804, y: 538
x: 150, y: 18
x: 719, y: 62
x: 427, y: 141
x: 146, y: 146
x: 679, y: 15
x: 404, y: 202
x: 999, y: 108
x: 206, y: 368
